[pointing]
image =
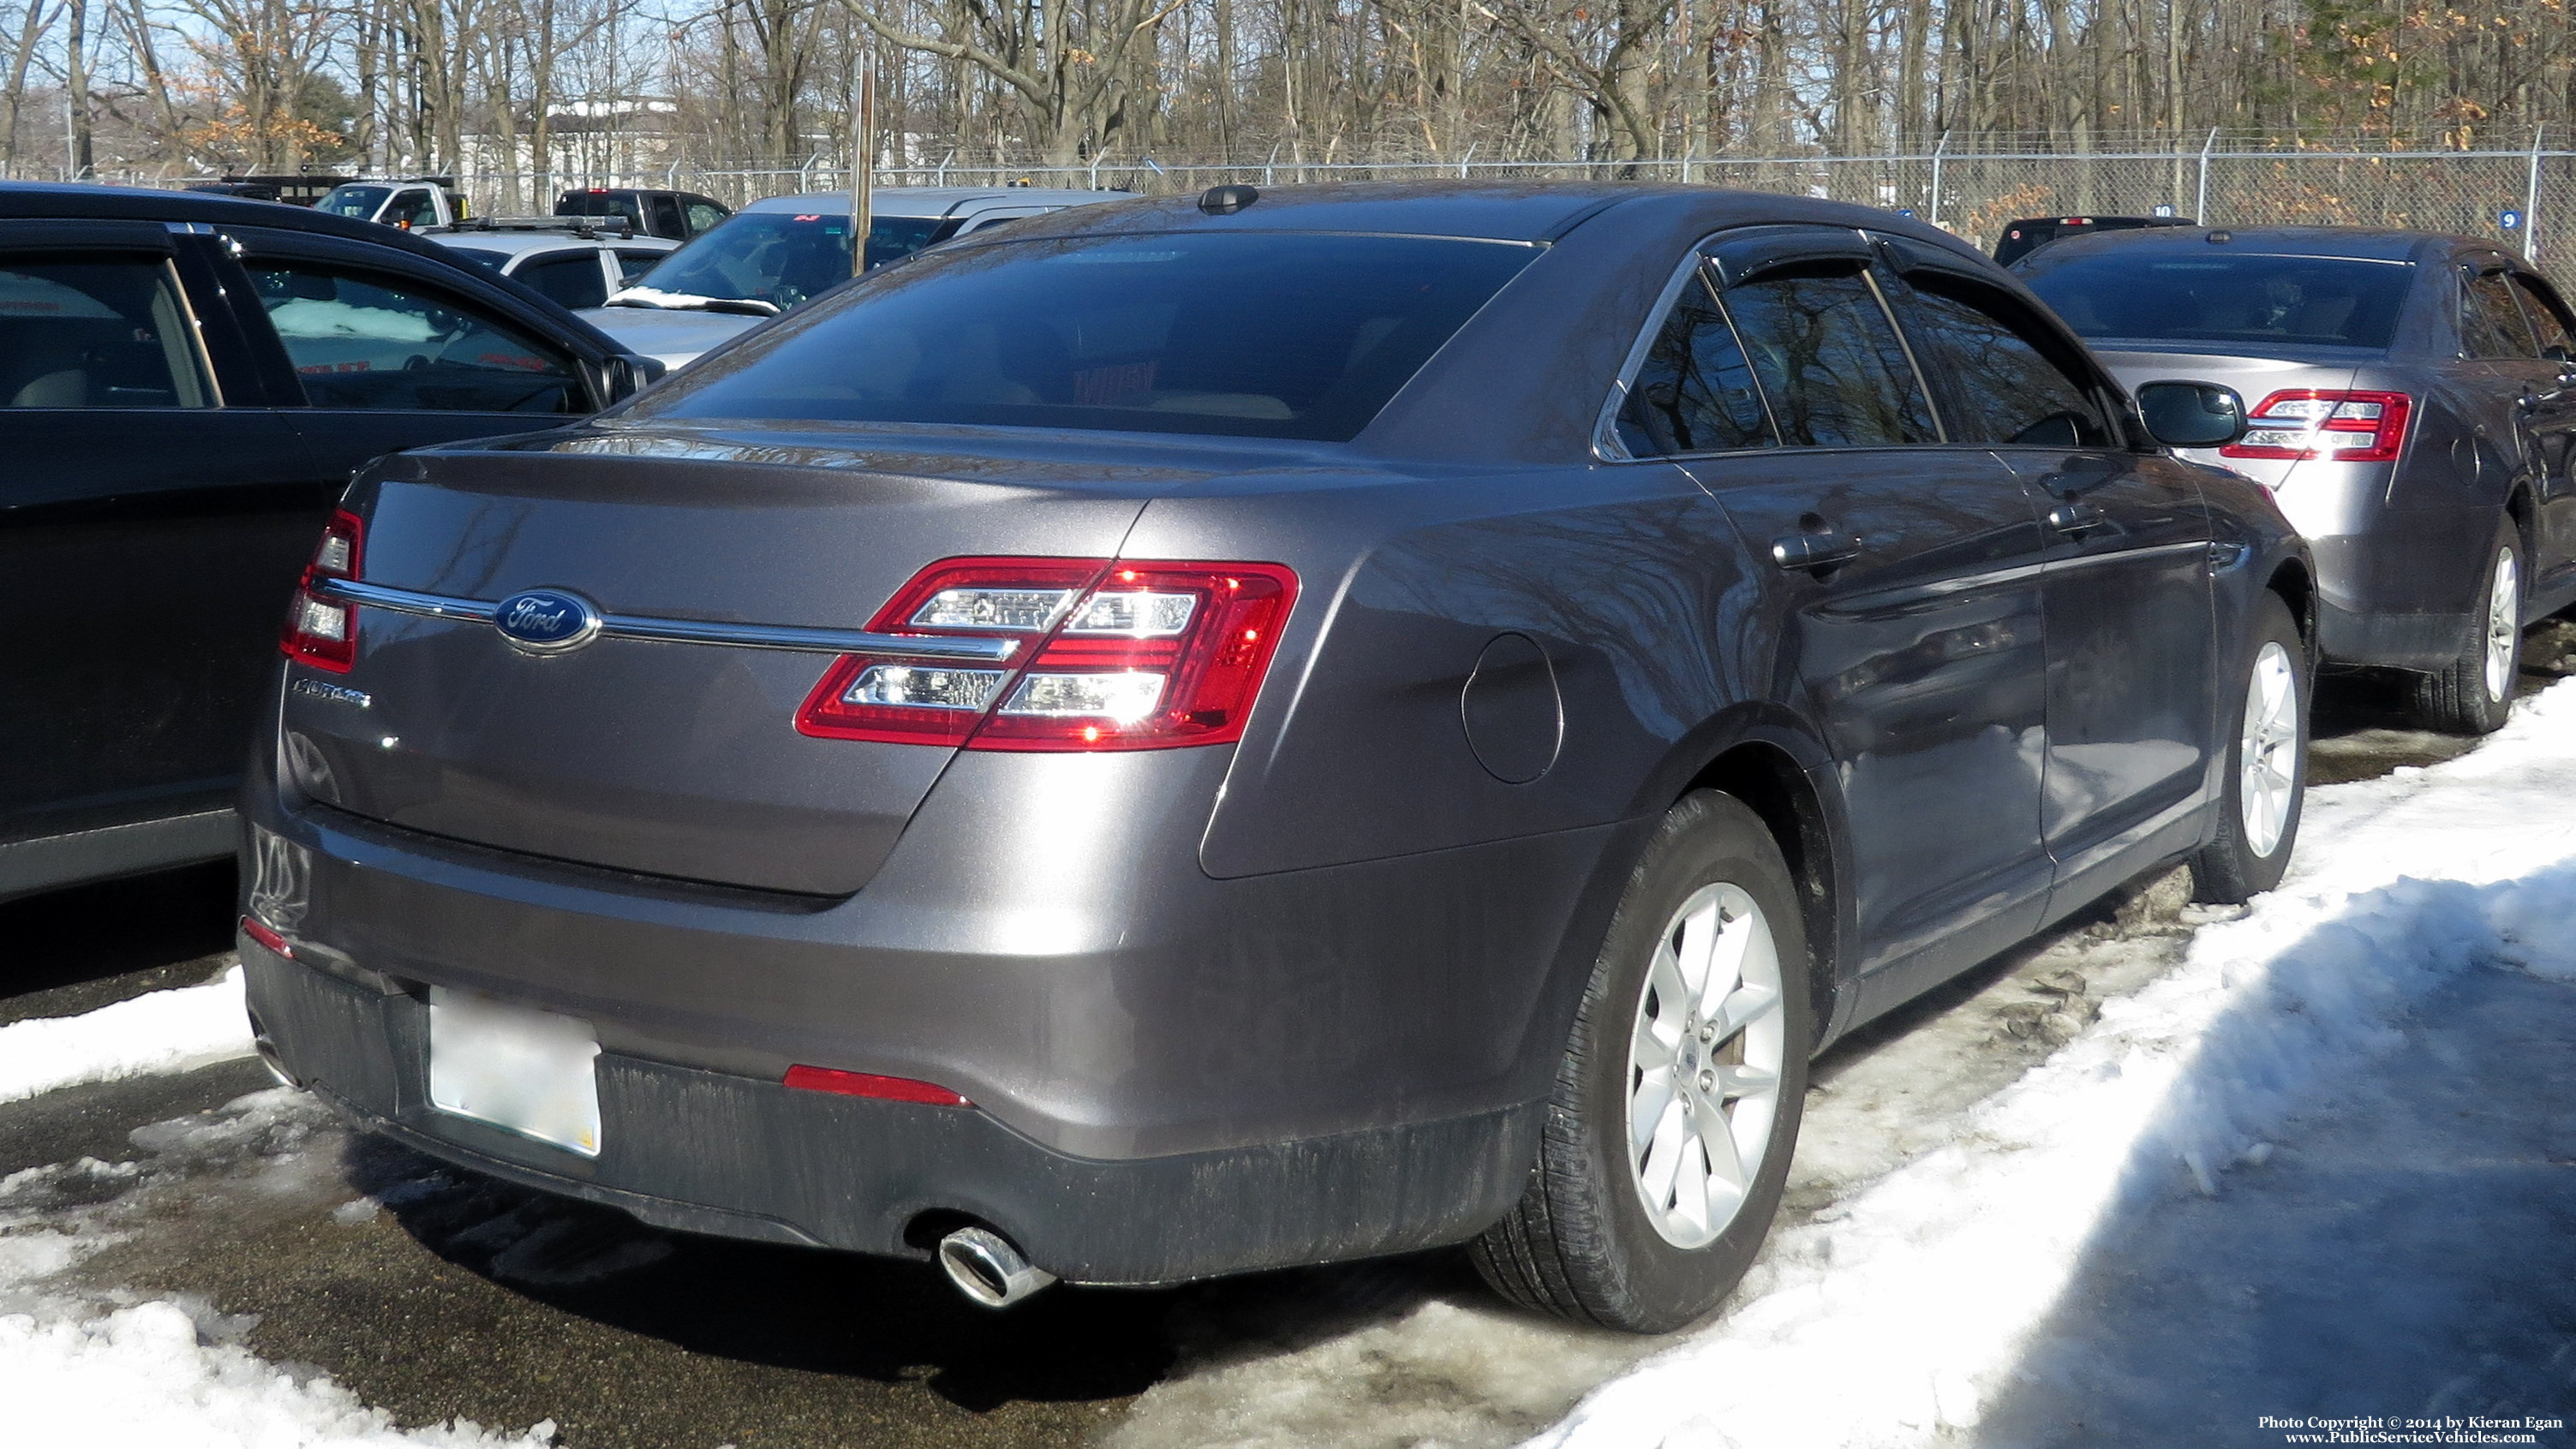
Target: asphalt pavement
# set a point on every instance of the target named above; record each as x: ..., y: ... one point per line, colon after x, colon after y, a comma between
x: 438, y: 1294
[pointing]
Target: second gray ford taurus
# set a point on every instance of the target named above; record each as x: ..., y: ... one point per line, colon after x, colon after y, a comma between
x: 1208, y: 736
x: 2414, y: 411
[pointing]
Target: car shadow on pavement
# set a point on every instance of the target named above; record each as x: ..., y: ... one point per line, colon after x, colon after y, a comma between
x: 846, y: 1314
x: 796, y: 1308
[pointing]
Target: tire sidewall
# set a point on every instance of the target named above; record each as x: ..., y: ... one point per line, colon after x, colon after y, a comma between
x: 1708, y: 838
x: 2270, y: 622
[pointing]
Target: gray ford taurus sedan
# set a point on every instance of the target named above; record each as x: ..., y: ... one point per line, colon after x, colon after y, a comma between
x: 2415, y: 413
x: 1224, y: 732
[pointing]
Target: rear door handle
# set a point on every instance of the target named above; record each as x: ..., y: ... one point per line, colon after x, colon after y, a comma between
x: 1823, y: 548
x: 2075, y: 515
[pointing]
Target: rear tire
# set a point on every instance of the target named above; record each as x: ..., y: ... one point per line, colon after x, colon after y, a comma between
x: 2267, y: 763
x: 2473, y: 695
x: 1693, y: 1036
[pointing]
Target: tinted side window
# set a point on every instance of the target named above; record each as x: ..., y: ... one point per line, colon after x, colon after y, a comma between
x: 1694, y: 393
x: 2491, y: 322
x: 574, y: 279
x: 366, y: 340
x: 634, y: 264
x: 83, y: 333
x: 666, y: 217
x: 2555, y: 343
x: 704, y: 214
x: 2001, y: 388
x: 1828, y: 360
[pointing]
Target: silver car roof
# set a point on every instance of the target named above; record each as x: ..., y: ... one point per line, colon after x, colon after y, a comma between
x: 521, y: 243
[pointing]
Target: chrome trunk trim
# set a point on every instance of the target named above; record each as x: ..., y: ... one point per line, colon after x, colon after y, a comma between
x: 687, y: 631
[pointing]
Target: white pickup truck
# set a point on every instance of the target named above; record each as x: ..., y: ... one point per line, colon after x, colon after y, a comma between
x: 408, y: 202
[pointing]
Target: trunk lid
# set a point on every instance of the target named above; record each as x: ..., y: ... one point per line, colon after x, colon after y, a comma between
x: 2254, y: 378
x: 666, y: 758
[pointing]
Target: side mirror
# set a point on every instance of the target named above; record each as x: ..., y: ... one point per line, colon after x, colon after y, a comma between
x: 2192, y: 414
x: 625, y: 374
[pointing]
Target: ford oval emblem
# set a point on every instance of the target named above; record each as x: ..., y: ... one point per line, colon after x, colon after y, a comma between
x: 547, y: 621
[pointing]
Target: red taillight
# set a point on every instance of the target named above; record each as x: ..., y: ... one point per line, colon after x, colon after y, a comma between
x: 1114, y: 656
x: 2340, y: 427
x: 865, y: 1084
x: 324, y: 632
x: 259, y: 931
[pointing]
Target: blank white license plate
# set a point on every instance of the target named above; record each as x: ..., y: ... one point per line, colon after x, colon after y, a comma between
x: 514, y: 1067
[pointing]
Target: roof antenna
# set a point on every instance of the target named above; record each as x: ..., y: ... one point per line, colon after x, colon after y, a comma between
x: 1227, y: 200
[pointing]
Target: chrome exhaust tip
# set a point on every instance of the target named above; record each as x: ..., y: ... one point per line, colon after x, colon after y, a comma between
x: 985, y: 1267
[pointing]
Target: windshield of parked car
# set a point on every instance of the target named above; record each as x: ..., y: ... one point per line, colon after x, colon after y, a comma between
x: 358, y: 201
x: 2151, y: 292
x: 783, y: 257
x: 1285, y: 336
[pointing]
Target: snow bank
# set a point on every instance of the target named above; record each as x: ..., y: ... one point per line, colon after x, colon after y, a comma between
x: 166, y: 1031
x: 1894, y: 1317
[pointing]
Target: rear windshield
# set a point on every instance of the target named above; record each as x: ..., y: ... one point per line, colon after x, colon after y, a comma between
x: 357, y: 201
x: 588, y: 203
x: 1281, y: 336
x: 2148, y: 293
x: 784, y: 257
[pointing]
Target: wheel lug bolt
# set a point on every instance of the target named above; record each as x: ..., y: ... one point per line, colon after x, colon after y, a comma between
x: 1708, y: 1081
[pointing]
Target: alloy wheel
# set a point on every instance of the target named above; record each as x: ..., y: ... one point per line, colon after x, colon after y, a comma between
x: 2267, y: 754
x: 2504, y: 625
x: 1704, y: 1060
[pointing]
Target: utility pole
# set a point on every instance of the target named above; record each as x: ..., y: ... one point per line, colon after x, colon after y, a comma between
x: 863, y: 152
x: 76, y: 94
x: 2531, y: 197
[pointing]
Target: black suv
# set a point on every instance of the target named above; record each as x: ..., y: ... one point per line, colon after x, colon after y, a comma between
x: 2029, y: 234
x: 679, y: 215
x: 186, y: 382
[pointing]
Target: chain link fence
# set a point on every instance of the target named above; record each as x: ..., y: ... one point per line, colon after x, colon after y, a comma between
x: 2522, y: 197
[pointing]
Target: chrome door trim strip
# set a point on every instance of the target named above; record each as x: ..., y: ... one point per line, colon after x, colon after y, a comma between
x: 688, y: 631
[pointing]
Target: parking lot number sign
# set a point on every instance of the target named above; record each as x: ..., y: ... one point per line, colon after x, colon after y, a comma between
x: 2509, y: 219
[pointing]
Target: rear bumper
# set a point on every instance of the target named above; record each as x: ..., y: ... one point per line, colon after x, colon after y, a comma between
x: 1174, y: 1075
x: 2404, y: 594
x: 2399, y: 641
x: 712, y: 1152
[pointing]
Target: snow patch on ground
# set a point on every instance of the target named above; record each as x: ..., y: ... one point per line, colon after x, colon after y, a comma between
x: 1442, y: 1374
x: 148, y: 1376
x: 114, y: 1370
x: 1897, y: 1316
x: 165, y: 1031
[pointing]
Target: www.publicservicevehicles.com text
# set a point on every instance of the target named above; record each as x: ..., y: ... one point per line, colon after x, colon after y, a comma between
x: 2390, y: 1429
